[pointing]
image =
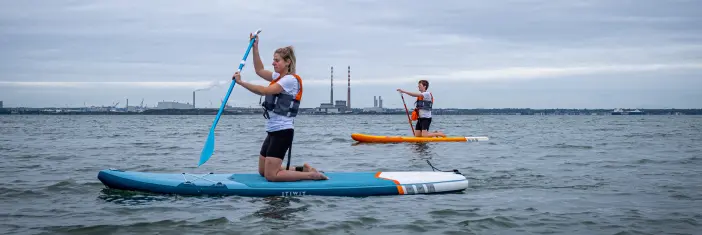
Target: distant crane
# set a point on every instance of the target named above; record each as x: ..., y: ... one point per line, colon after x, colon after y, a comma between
x: 113, y: 108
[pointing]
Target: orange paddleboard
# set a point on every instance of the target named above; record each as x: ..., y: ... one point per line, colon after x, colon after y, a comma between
x: 399, y: 139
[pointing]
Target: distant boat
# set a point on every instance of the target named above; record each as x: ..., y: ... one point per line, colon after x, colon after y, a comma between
x: 635, y: 112
x: 622, y: 112
x: 618, y: 112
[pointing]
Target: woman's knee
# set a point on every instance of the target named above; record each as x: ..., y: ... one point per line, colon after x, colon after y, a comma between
x: 261, y: 165
x: 272, y: 166
x: 271, y: 175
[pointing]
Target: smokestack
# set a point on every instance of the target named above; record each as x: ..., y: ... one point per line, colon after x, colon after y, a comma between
x: 375, y: 102
x: 331, y: 97
x: 127, y: 109
x: 348, y: 94
x: 380, y: 101
x: 193, y: 99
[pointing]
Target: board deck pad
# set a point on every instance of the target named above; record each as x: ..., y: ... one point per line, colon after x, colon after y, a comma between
x: 253, y: 184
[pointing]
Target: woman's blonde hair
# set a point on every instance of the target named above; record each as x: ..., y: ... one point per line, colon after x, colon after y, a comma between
x: 287, y: 54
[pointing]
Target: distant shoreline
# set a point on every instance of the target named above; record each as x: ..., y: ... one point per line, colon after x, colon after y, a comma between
x: 308, y: 111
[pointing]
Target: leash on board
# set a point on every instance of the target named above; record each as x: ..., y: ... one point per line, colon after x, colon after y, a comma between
x: 435, y: 169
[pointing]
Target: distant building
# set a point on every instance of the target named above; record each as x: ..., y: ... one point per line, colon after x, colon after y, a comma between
x: 373, y: 110
x: 378, y: 102
x: 338, y: 106
x: 342, y: 106
x: 327, y: 108
x: 173, y: 105
x: 377, y: 106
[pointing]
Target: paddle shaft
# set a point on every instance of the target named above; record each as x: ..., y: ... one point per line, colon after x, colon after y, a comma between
x: 208, y: 149
x: 407, y: 111
x: 231, y: 86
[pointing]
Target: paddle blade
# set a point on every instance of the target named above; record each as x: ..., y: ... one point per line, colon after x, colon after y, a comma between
x: 208, y: 149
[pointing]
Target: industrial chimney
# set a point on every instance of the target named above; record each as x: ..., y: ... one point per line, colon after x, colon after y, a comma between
x: 348, y: 95
x: 380, y: 102
x: 193, y: 99
x: 375, y: 102
x: 331, y: 97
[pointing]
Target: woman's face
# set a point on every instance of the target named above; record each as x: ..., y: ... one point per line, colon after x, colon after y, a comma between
x: 279, y: 65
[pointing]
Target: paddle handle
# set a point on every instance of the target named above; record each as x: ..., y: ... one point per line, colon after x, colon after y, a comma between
x: 243, y: 61
x: 407, y: 111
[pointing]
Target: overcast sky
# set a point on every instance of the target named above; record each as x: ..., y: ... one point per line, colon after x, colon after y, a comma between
x: 476, y: 54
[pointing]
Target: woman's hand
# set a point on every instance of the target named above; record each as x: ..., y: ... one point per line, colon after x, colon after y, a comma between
x: 237, y: 77
x: 251, y: 36
x: 400, y: 90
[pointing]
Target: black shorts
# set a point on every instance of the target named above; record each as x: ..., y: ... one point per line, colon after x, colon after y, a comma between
x: 423, y: 124
x: 277, y: 143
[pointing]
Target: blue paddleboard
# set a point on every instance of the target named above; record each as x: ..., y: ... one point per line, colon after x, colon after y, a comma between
x: 253, y: 184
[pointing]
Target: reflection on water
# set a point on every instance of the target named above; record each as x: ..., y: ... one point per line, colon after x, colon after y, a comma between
x: 423, y: 150
x: 126, y: 197
x: 279, y: 208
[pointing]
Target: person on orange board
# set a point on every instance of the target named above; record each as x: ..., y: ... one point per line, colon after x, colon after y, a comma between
x: 422, y: 110
x: 282, y: 101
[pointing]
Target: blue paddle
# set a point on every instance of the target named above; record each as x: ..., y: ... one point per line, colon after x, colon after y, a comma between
x: 209, y: 145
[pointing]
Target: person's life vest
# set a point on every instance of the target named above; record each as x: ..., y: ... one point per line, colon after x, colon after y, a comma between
x: 284, y: 104
x: 423, y: 105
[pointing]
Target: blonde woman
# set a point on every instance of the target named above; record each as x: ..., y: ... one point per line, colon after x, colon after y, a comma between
x: 283, y: 96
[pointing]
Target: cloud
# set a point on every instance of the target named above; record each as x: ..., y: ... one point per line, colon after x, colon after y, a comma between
x: 527, y: 73
x: 472, y: 76
x: 517, y: 73
x: 189, y: 46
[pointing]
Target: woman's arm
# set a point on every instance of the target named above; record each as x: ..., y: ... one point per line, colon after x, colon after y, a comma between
x: 258, y: 89
x: 258, y: 65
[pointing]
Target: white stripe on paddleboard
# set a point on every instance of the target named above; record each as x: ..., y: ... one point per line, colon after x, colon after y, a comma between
x: 476, y: 138
x: 421, y: 177
x: 451, y: 186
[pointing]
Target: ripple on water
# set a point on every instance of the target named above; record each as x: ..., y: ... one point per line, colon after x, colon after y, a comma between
x: 560, y: 175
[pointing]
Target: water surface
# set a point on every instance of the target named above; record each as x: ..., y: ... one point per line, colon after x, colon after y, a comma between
x: 536, y: 175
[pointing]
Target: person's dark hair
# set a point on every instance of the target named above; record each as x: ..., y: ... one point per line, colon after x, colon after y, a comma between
x: 425, y: 83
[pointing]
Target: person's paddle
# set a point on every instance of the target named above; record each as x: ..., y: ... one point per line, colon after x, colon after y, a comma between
x: 209, y: 144
x: 406, y: 111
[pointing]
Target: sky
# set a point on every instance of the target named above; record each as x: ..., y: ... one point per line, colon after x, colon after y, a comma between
x: 475, y: 54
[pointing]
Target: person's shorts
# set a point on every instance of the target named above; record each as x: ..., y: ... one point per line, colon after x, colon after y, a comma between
x: 423, y: 124
x: 277, y: 143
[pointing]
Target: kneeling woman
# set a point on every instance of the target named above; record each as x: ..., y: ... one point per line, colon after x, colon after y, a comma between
x: 283, y: 97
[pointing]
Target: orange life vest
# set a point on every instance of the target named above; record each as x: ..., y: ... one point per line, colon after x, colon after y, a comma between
x: 284, y: 104
x: 298, y: 97
x: 422, y: 104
